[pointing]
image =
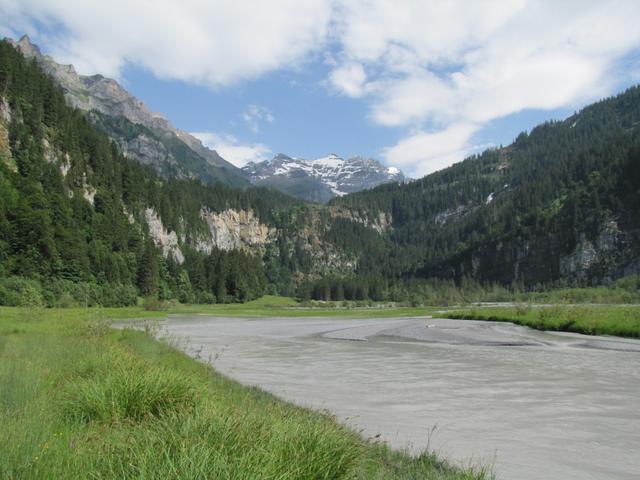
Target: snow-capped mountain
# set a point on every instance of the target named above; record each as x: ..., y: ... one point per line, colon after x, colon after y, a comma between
x: 321, y: 179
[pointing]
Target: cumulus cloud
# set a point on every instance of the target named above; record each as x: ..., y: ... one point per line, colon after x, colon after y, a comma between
x: 349, y: 79
x: 424, y: 152
x: 437, y: 68
x: 232, y: 150
x: 213, y: 43
x: 255, y: 115
x: 446, y: 68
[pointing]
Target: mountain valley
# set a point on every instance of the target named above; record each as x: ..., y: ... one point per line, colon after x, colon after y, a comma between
x: 120, y: 198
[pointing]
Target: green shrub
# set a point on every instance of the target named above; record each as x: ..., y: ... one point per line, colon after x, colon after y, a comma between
x: 66, y: 301
x: 630, y: 283
x: 205, y: 297
x: 155, y: 304
x: 20, y: 292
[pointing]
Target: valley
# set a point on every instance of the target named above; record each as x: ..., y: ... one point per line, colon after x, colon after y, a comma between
x: 198, y: 306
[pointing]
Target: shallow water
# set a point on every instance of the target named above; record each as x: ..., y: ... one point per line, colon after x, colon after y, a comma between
x: 536, y: 405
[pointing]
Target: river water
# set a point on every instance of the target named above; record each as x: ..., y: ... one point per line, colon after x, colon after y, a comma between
x: 535, y: 405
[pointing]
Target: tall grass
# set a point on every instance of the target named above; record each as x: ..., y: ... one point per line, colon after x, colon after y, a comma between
x: 127, y: 392
x: 620, y: 320
x: 79, y: 400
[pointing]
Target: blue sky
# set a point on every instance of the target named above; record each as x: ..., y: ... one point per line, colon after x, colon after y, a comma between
x: 309, y: 119
x: 417, y: 84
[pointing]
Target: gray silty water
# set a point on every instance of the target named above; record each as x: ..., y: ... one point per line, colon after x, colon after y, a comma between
x: 536, y: 405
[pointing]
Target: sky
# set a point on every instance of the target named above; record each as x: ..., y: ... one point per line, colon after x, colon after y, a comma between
x: 416, y: 84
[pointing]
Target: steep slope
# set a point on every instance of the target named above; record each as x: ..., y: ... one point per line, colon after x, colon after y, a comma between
x: 321, y: 179
x: 80, y: 223
x: 142, y: 135
x: 558, y: 205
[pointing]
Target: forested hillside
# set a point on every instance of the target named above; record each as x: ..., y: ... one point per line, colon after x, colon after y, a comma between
x: 82, y: 224
x: 558, y: 205
x: 75, y: 213
x: 141, y: 134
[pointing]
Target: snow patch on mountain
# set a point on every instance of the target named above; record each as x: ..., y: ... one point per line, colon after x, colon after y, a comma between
x: 321, y: 178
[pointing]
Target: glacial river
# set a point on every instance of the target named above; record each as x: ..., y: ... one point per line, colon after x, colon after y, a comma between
x: 535, y: 405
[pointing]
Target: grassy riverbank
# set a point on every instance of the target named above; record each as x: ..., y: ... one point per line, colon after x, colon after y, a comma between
x: 80, y: 400
x: 590, y: 319
x: 621, y: 320
x: 273, y: 306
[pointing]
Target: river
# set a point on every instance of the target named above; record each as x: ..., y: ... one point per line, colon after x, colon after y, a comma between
x: 535, y: 405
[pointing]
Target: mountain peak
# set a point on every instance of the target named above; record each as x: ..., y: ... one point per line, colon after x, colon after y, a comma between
x: 330, y: 161
x: 280, y: 156
x: 322, y: 178
x: 27, y: 48
x: 105, y: 96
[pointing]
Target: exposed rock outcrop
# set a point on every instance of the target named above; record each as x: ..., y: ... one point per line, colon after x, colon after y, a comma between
x: 96, y: 93
x: 233, y: 229
x: 5, y: 111
x: 381, y: 222
x: 167, y: 240
x: 590, y: 255
x: 5, y: 119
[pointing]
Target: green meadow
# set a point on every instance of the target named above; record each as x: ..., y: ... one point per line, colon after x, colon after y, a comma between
x: 80, y: 400
x: 619, y: 320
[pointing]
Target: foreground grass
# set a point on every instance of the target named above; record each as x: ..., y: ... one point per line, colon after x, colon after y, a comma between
x: 80, y: 400
x: 621, y: 320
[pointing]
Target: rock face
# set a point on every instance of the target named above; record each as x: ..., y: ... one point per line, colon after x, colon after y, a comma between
x: 321, y: 179
x: 242, y: 230
x: 592, y: 260
x: 381, y: 222
x: 5, y: 119
x: 234, y: 230
x: 145, y: 149
x: 593, y: 256
x: 158, y: 143
x: 167, y: 240
x: 227, y: 230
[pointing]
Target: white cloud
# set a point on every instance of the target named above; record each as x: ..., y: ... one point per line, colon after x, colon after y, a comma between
x: 213, y: 43
x: 422, y: 152
x: 232, y: 150
x: 349, y: 79
x: 414, y: 98
x: 423, y: 65
x: 255, y: 115
x: 451, y: 66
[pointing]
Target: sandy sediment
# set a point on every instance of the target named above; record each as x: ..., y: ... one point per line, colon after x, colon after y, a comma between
x: 469, y: 332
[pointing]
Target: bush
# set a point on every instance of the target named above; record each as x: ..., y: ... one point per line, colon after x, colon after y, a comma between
x: 203, y: 297
x: 630, y: 283
x: 66, y: 301
x: 66, y: 293
x: 20, y: 292
x: 155, y: 304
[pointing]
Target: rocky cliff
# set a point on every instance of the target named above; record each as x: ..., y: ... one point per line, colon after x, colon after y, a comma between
x: 121, y: 116
x: 548, y: 256
x: 235, y: 230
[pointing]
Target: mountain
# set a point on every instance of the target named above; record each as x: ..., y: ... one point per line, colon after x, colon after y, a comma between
x: 321, y: 179
x: 142, y: 135
x: 81, y: 223
x: 558, y: 206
